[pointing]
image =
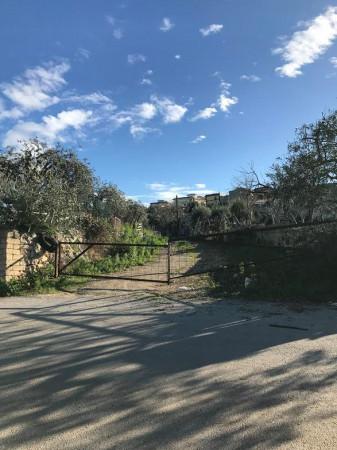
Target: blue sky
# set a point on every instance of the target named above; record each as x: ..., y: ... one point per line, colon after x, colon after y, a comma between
x: 166, y: 97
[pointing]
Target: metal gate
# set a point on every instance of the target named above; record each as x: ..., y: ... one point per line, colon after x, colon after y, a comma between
x: 113, y: 260
x: 196, y: 256
x: 139, y: 262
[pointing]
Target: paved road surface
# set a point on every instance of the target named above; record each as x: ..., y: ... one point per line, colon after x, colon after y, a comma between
x: 138, y: 370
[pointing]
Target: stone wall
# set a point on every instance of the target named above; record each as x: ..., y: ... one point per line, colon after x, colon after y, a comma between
x: 283, y: 236
x: 12, y: 255
x: 17, y: 255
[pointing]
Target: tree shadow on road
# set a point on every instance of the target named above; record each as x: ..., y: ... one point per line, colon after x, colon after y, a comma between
x: 125, y: 373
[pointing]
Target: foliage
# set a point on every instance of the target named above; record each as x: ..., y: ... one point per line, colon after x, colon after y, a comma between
x: 282, y: 274
x: 37, y: 281
x: 49, y: 189
x: 120, y: 258
x: 163, y: 219
x: 304, y: 181
x: 110, y: 202
x: 43, y: 189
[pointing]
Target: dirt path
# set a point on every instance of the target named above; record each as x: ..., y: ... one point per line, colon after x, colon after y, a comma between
x: 174, y: 370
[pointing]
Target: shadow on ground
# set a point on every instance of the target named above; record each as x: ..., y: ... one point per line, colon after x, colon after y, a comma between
x: 144, y: 371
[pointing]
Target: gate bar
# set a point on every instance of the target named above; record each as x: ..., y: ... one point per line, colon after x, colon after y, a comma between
x: 118, y: 244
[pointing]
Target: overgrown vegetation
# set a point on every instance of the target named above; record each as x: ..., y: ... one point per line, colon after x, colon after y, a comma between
x: 39, y: 281
x: 300, y: 273
x: 119, y: 258
x: 49, y: 190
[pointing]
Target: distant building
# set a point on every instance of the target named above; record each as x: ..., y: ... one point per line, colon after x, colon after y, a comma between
x: 160, y: 203
x: 238, y: 194
x: 189, y: 200
x: 213, y: 199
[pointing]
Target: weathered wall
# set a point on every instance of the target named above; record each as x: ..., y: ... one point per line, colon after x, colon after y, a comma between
x: 12, y: 261
x: 17, y: 255
x: 283, y: 236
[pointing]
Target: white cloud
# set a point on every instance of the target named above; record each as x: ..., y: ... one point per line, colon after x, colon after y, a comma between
x: 117, y: 32
x: 225, y: 101
x: 166, y: 25
x: 136, y: 58
x: 205, y: 113
x: 170, y: 111
x: 50, y: 128
x: 83, y: 53
x: 135, y: 118
x: 12, y: 113
x: 199, y: 139
x: 305, y: 46
x: 146, y: 82
x: 177, y: 56
x: 167, y: 191
x: 252, y: 78
x: 211, y: 29
x: 94, y: 98
x: 145, y: 111
x: 32, y: 91
x: 333, y: 61
x: 139, y: 131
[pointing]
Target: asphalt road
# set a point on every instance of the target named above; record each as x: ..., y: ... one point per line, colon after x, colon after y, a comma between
x: 137, y: 370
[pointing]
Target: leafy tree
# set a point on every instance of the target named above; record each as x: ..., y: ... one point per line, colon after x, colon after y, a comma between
x: 43, y: 188
x: 303, y: 181
x: 163, y: 219
x: 239, y: 213
x: 200, y: 219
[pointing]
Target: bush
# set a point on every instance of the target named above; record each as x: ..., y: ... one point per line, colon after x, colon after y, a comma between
x: 297, y: 274
x: 120, y: 258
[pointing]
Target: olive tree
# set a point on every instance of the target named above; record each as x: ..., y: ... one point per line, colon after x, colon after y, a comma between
x: 43, y: 188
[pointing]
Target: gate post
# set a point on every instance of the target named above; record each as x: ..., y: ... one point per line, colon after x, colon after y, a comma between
x: 169, y: 262
x: 57, y: 261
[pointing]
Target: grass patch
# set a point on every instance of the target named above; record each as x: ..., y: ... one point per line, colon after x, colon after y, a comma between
x: 39, y: 281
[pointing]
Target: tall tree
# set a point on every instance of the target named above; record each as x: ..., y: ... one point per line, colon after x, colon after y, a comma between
x: 43, y: 188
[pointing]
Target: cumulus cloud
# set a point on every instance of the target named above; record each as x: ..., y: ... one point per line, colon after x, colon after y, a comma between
x: 35, y: 88
x: 211, y: 29
x: 205, y: 113
x: 177, y: 56
x: 167, y: 191
x: 146, y: 82
x: 136, y: 58
x: 226, y: 100
x: 252, y: 78
x: 145, y: 111
x: 170, y: 111
x: 166, y: 25
x: 307, y: 45
x: 199, y: 139
x: 139, y: 132
x: 50, y: 128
